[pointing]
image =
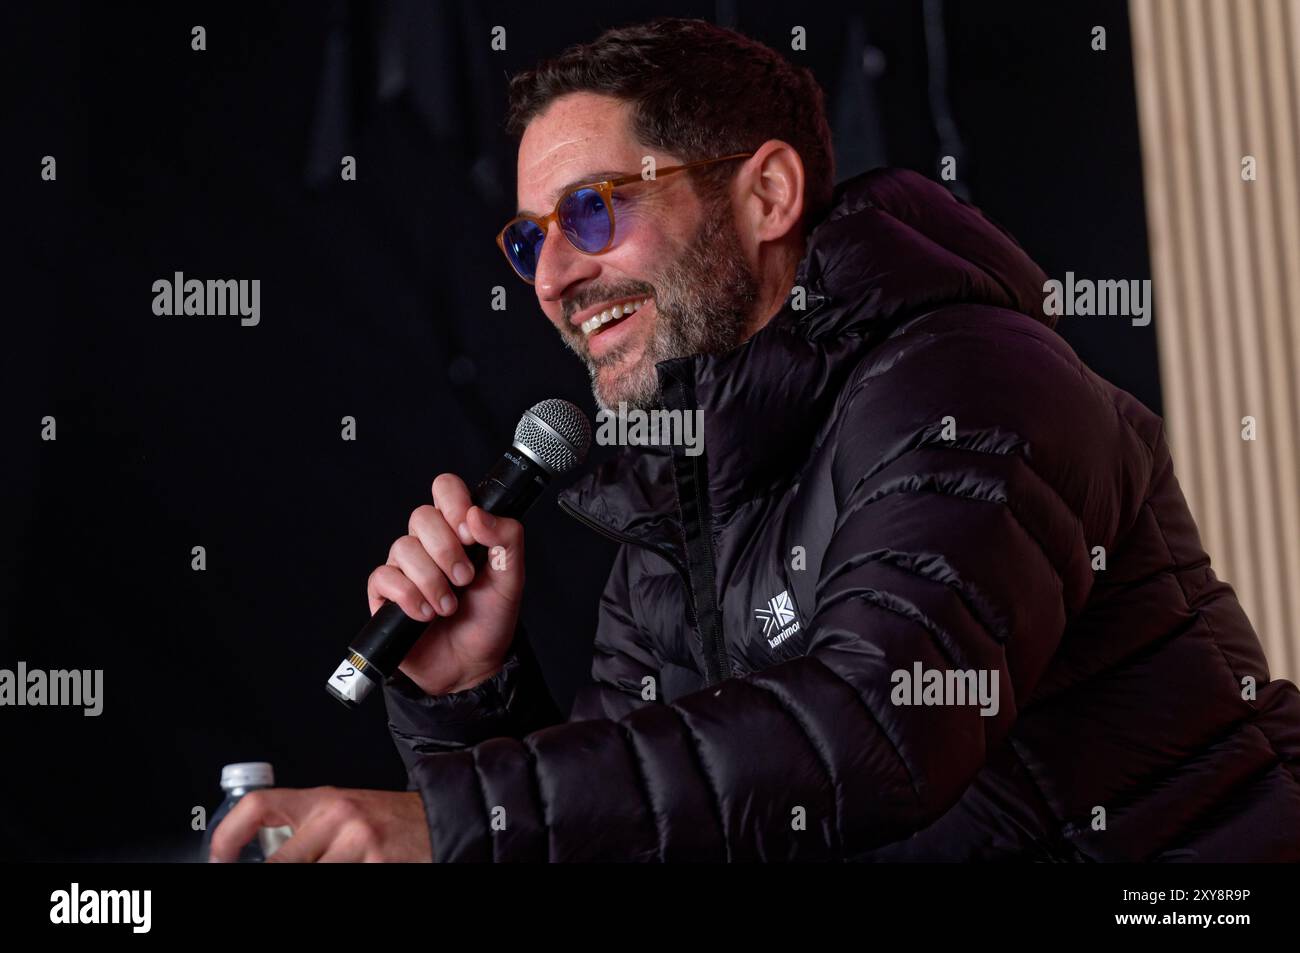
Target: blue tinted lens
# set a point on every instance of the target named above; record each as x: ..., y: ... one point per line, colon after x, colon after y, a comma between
x: 523, y: 241
x: 585, y: 221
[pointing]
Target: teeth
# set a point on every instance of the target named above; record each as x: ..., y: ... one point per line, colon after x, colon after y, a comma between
x: 612, y: 314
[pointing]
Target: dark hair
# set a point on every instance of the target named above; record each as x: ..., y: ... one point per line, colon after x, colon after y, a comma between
x: 699, y: 91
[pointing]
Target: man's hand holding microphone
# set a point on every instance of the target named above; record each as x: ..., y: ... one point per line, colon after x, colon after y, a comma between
x: 470, y: 632
x: 466, y: 616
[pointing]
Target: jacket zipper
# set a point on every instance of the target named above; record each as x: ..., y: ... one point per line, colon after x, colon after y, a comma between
x: 690, y: 475
x: 715, y: 645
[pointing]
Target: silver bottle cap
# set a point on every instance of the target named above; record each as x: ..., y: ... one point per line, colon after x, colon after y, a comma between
x: 247, y: 774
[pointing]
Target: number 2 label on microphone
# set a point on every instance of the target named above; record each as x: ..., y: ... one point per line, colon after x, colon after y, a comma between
x: 348, y: 682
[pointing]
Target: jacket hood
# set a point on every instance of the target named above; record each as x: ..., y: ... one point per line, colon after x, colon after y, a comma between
x: 896, y: 242
x: 894, y: 245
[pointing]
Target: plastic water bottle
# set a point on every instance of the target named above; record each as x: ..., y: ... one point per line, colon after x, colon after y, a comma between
x: 236, y: 781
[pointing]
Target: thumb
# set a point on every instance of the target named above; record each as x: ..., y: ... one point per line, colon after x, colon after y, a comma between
x: 504, y: 539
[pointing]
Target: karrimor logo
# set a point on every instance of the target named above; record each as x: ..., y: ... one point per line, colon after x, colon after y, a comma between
x: 778, y: 618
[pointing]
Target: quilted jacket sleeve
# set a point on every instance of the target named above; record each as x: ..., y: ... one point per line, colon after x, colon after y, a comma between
x: 969, y: 479
x: 511, y: 703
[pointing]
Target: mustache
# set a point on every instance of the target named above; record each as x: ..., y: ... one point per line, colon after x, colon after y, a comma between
x: 595, y: 295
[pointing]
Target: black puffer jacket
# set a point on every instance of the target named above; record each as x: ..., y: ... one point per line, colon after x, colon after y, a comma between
x: 909, y: 475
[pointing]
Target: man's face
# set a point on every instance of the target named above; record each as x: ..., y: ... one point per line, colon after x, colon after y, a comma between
x: 670, y: 250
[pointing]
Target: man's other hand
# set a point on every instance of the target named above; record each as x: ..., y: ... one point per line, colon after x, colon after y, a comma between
x: 329, y: 825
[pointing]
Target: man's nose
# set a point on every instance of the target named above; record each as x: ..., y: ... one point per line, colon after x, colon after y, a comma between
x: 559, y: 265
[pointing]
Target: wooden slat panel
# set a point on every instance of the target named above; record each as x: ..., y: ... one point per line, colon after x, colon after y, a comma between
x: 1218, y: 80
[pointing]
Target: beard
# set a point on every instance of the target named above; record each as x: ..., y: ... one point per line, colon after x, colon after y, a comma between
x: 703, y: 301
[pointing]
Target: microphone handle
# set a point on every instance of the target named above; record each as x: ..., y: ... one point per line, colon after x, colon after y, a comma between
x: 509, y: 489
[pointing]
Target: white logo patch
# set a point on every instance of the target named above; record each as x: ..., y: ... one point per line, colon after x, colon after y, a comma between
x: 778, y: 618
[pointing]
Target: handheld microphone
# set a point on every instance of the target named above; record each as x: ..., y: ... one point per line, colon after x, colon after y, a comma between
x: 552, y: 438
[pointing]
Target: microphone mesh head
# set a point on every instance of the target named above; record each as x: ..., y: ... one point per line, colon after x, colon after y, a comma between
x: 556, y: 433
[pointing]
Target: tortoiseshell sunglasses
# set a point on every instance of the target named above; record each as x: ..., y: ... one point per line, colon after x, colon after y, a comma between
x: 585, y: 214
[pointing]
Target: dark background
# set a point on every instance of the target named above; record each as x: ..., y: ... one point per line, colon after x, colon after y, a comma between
x: 183, y: 431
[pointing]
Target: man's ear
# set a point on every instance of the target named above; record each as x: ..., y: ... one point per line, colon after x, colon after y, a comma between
x: 770, y: 200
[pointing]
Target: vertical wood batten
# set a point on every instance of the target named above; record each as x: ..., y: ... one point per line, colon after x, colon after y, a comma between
x: 1217, y: 81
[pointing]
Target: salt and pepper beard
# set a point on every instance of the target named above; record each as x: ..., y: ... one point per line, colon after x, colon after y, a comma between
x: 703, y: 301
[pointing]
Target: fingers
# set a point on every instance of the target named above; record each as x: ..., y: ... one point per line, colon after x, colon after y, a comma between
x: 350, y: 845
x: 268, y: 808
x: 329, y: 824
x: 409, y: 555
x: 427, y: 566
x: 451, y: 497
x: 310, y: 842
x: 344, y: 826
x: 389, y: 582
x: 440, y: 541
x: 504, y: 539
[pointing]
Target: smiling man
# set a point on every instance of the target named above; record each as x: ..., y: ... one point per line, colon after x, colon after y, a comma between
x: 693, y: 282
x: 931, y: 591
